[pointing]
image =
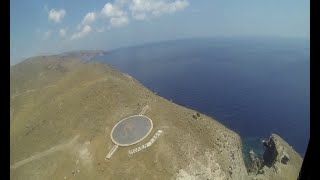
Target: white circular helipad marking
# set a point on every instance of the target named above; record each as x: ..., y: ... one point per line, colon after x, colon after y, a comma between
x: 131, y: 130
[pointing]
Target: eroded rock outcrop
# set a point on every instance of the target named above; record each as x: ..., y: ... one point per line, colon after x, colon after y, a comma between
x: 255, y: 163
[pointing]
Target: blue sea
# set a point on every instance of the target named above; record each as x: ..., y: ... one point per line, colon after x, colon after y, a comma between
x: 254, y: 86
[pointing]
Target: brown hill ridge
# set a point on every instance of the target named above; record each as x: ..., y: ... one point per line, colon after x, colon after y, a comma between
x: 62, y: 112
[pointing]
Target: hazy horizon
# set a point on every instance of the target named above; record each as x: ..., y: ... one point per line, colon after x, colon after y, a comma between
x: 155, y: 42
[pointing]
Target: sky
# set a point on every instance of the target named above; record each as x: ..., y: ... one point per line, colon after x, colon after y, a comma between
x: 39, y: 27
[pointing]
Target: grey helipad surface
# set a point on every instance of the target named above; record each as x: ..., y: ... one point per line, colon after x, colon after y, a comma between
x: 131, y: 130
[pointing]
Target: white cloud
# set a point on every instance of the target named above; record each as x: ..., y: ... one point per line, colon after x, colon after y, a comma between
x: 89, y: 18
x: 85, y: 31
x: 121, y: 12
x: 63, y: 32
x: 119, y: 21
x: 140, y: 9
x: 110, y: 10
x: 56, y: 15
x: 116, y: 15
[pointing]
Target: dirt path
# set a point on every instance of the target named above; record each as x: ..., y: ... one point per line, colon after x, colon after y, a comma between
x: 44, y: 153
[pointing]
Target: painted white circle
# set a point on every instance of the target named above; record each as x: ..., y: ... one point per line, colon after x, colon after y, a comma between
x: 131, y: 130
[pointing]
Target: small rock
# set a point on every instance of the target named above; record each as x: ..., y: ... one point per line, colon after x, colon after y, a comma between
x: 261, y: 171
x: 276, y: 169
x: 265, y: 143
x: 285, y: 158
x: 75, y: 172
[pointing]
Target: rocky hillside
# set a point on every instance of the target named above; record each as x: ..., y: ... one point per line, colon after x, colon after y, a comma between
x: 62, y: 112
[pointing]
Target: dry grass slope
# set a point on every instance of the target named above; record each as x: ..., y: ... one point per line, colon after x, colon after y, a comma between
x: 53, y: 99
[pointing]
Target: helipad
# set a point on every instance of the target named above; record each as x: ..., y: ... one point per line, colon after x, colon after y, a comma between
x: 131, y: 130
